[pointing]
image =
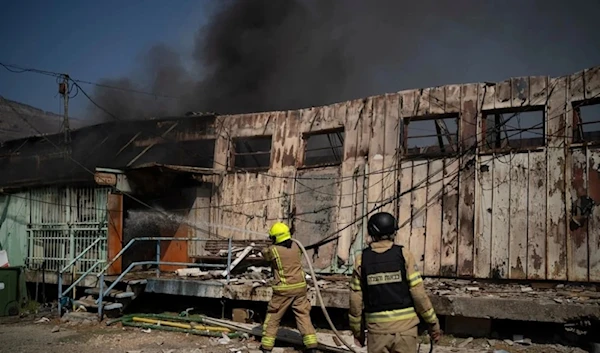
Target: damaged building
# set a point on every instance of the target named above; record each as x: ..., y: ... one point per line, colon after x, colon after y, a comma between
x: 490, y: 181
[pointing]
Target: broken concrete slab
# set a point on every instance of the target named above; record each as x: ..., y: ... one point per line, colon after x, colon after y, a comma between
x: 521, y: 307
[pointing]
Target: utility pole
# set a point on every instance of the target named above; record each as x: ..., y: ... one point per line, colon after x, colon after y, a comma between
x: 63, y: 89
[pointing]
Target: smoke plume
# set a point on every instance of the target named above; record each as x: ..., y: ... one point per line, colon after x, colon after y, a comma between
x: 260, y: 55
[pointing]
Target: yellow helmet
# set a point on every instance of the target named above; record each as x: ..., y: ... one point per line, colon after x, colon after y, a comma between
x: 280, y: 232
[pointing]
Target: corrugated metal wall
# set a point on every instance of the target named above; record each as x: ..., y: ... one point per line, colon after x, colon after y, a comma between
x: 471, y: 213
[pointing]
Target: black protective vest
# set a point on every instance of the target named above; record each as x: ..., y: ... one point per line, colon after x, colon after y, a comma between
x: 384, y: 282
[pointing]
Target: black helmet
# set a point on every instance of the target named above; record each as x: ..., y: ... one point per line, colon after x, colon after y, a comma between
x: 382, y: 224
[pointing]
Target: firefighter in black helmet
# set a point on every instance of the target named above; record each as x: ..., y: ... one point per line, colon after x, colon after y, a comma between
x: 387, y: 286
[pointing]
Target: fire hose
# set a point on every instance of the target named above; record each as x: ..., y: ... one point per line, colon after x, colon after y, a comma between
x: 322, y: 305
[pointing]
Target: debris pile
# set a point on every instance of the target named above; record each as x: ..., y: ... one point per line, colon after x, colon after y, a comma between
x: 223, y: 332
x: 559, y: 293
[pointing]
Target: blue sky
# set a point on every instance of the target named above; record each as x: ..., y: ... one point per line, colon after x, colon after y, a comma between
x: 89, y: 40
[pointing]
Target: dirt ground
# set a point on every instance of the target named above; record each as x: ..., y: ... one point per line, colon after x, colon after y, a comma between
x: 26, y: 337
x: 31, y: 337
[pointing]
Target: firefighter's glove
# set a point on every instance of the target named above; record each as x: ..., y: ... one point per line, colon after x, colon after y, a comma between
x: 435, y: 332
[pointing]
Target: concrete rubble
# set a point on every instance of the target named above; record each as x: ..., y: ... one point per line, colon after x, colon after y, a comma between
x: 559, y: 293
x: 79, y: 318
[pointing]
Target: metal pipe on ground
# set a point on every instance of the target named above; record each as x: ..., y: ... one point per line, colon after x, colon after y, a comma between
x: 181, y: 325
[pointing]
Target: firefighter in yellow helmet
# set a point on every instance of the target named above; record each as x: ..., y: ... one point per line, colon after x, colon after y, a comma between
x: 289, y: 288
x: 387, y: 288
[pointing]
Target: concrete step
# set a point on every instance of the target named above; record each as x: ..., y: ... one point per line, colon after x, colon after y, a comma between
x: 91, y: 304
x: 117, y: 294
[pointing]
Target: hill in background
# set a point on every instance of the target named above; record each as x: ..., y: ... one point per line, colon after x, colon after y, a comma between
x: 13, y: 125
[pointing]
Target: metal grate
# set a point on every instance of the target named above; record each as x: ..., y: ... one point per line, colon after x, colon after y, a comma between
x: 63, y: 222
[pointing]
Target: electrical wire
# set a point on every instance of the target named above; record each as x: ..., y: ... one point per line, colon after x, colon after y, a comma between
x: 79, y: 88
x: 278, y: 197
x: 336, y: 234
x: 295, y: 178
x: 19, y: 69
x: 75, y: 83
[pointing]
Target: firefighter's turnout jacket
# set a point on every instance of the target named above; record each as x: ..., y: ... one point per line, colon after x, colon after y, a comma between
x: 388, y: 287
x: 289, y: 290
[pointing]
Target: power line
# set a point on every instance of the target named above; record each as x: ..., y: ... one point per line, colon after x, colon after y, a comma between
x: 296, y: 177
x: 335, y: 235
x: 75, y: 81
x: 19, y: 69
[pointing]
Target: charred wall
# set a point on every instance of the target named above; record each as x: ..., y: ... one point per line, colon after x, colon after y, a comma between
x: 488, y: 194
x: 488, y: 180
x: 41, y: 160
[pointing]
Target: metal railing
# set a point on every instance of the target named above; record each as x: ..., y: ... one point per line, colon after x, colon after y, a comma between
x: 61, y: 271
x: 157, y: 262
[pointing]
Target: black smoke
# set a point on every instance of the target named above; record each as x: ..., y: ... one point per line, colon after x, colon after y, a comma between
x: 260, y: 55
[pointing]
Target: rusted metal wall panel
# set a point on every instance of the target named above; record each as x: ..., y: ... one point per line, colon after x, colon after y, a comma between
x: 578, y: 237
x: 419, y: 212
x: 556, y: 206
x: 536, y: 212
x: 468, y: 220
x: 246, y: 202
x: 500, y: 215
x: 433, y: 236
x: 316, y: 211
x: 375, y: 158
x: 454, y: 256
x: 461, y: 247
x: 594, y: 219
x: 484, y: 208
x: 391, y: 133
x: 115, y: 232
x: 511, y: 206
x: 583, y: 240
x: 405, y: 202
x: 517, y: 217
x: 349, y: 170
x: 260, y: 124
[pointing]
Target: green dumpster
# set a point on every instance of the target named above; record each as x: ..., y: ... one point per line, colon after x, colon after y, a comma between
x: 9, y: 291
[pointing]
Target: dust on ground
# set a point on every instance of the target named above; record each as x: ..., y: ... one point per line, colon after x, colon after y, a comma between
x: 31, y: 337
x: 26, y: 336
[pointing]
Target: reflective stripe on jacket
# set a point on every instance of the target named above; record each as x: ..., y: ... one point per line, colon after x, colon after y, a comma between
x: 286, y: 262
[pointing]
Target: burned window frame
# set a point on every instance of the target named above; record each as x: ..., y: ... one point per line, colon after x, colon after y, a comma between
x: 442, y: 138
x: 307, y: 135
x: 487, y: 148
x: 578, y: 134
x: 234, y: 153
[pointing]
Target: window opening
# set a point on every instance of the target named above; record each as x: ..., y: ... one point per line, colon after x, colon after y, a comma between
x: 324, y: 148
x: 514, y: 129
x: 430, y: 135
x: 586, y: 121
x: 252, y: 152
